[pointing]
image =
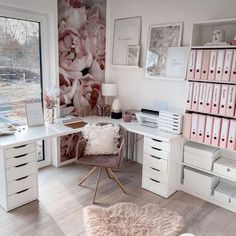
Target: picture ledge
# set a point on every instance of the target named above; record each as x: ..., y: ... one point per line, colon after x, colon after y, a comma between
x: 161, y: 77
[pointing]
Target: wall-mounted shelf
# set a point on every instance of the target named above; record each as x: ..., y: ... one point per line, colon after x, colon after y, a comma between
x: 162, y: 77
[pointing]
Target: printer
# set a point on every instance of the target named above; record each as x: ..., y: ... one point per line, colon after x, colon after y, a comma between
x: 166, y: 120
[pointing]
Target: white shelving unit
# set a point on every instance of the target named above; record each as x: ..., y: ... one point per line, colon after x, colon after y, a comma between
x: 201, y: 34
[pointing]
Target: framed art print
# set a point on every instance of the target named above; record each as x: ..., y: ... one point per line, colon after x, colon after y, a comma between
x: 34, y: 114
x: 127, y: 32
x: 133, y: 53
x: 161, y: 37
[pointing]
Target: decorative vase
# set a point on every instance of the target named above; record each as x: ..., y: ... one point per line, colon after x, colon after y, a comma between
x: 49, y: 116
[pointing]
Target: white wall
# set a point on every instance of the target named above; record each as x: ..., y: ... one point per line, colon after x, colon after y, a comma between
x: 48, y: 7
x: 134, y: 90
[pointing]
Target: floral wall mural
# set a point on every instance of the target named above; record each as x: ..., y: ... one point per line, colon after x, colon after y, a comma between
x: 82, y: 37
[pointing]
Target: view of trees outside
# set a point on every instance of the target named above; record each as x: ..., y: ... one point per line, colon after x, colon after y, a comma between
x: 19, y: 66
x: 20, y: 70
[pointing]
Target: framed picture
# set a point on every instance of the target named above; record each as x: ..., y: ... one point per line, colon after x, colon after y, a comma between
x: 133, y: 55
x: 127, y: 32
x: 34, y: 114
x: 160, y: 38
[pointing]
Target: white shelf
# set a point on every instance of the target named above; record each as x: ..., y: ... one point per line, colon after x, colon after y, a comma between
x: 209, y: 198
x: 164, y: 78
x: 211, y: 145
x: 214, y: 47
x: 209, y: 172
x: 211, y: 114
x: 212, y: 81
x: 126, y: 66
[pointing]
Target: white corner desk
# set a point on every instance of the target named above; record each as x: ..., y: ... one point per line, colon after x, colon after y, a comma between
x: 19, y: 169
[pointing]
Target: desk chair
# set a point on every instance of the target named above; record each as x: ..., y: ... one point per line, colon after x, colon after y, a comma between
x: 107, y: 162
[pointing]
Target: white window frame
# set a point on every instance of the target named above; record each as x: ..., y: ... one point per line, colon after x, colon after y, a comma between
x: 43, y: 19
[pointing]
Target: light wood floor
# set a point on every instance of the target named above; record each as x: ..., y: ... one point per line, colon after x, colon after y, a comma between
x: 61, y: 202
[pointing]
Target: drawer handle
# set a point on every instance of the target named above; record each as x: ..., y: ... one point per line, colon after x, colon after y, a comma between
x: 20, y: 156
x: 156, y: 157
x: 155, y: 180
x: 228, y: 169
x: 23, y: 191
x: 155, y: 169
x: 158, y: 149
x: 20, y: 146
x: 22, y: 178
x: 21, y: 165
x: 156, y: 140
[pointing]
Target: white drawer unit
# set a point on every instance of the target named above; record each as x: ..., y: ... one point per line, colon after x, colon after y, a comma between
x: 18, y: 176
x: 161, y: 165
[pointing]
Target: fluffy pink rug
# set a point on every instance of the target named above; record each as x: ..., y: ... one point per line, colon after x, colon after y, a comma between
x: 128, y: 219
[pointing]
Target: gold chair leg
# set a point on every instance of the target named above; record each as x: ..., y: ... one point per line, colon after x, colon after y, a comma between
x: 96, y: 188
x: 90, y: 172
x: 116, y: 179
x: 108, y: 174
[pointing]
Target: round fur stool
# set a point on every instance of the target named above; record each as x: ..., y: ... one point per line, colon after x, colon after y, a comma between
x: 128, y: 219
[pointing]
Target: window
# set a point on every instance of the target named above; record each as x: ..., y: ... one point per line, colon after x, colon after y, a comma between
x: 20, y: 70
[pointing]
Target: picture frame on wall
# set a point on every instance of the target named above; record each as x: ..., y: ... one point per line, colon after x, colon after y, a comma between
x: 160, y: 38
x: 127, y: 31
x: 133, y: 53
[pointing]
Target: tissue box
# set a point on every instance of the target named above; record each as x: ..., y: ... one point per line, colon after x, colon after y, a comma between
x: 224, y: 192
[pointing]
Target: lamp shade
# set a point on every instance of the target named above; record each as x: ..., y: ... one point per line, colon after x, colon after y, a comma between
x: 109, y: 90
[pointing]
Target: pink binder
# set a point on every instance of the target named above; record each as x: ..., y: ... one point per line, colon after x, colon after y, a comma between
x: 191, y: 65
x: 208, y: 100
x: 231, y: 101
x: 205, y: 64
x: 194, y: 127
x: 233, y: 68
x: 212, y: 67
x: 227, y: 64
x: 201, y: 128
x: 216, y: 99
x: 198, y: 67
x: 208, y: 130
x: 196, y: 87
x: 220, y: 64
x: 231, y: 145
x: 224, y: 133
x: 187, y: 125
x: 223, y: 99
x: 202, y: 97
x: 189, y: 96
x: 216, y: 131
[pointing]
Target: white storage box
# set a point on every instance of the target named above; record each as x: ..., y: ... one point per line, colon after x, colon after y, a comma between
x: 201, y: 161
x: 200, y: 149
x: 233, y: 199
x: 226, y: 167
x: 200, y: 181
x: 224, y: 192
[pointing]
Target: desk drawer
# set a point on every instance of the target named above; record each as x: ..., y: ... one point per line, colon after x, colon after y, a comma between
x: 155, y: 174
x: 156, y: 143
x: 156, y: 152
x: 20, y: 150
x: 154, y: 186
x: 155, y: 162
x: 22, y: 184
x: 22, y: 197
x: 18, y: 172
x: 21, y: 159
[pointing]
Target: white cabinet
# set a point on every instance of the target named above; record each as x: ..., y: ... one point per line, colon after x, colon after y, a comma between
x: 18, y: 175
x: 161, y: 165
